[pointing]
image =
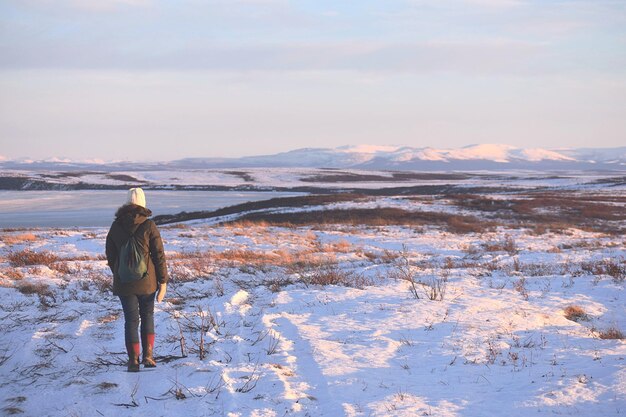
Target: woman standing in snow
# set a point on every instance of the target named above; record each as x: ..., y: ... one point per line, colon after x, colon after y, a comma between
x: 137, y: 295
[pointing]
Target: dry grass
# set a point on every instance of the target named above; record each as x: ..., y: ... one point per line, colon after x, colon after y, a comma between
x: 189, y: 266
x: 27, y: 257
x: 340, y: 246
x: 61, y: 267
x: 12, y: 273
x: 34, y: 288
x: 575, y: 313
x: 611, y: 333
x: 11, y: 239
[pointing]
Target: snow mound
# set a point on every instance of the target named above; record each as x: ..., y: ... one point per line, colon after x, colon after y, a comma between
x: 239, y: 298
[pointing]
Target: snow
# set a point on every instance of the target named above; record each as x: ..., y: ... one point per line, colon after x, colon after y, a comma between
x: 538, y: 154
x: 266, y: 179
x: 495, y: 152
x: 369, y: 149
x: 276, y: 343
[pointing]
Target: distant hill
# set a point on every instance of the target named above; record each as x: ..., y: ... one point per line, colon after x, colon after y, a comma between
x: 468, y: 158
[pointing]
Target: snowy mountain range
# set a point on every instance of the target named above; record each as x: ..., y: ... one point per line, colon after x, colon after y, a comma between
x: 473, y: 157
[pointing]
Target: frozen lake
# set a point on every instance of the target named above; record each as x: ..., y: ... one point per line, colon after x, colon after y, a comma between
x: 97, y: 208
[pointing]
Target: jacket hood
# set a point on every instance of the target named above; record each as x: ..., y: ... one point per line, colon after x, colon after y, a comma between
x: 132, y: 215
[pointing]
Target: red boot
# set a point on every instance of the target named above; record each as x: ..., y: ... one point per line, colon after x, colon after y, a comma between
x: 148, y: 348
x: 133, y: 357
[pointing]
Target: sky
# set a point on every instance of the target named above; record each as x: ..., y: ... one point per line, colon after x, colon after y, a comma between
x: 162, y: 80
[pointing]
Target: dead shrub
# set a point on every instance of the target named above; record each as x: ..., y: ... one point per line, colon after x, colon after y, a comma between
x: 611, y: 267
x: 12, y: 273
x: 333, y: 274
x: 389, y: 257
x: 306, y: 260
x: 27, y: 257
x: 103, y: 282
x: 435, y: 288
x: 371, y: 256
x: 507, y: 245
x: 536, y: 269
x: 181, y: 273
x: 276, y: 284
x: 61, y: 267
x: 544, y: 212
x: 108, y: 318
x: 464, y: 225
x: 575, y: 313
x: 243, y: 256
x: 520, y: 287
x: 29, y: 288
x: 175, y: 226
x: 611, y: 333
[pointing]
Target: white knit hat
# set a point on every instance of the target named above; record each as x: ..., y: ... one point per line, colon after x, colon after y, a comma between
x: 136, y: 196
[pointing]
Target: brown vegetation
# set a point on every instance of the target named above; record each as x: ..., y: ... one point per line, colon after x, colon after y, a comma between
x: 575, y: 313
x: 38, y: 288
x: 611, y: 267
x: 28, y: 257
x: 384, y: 216
x: 12, y: 273
x: 542, y: 212
x: 506, y: 245
x: 611, y: 333
x: 13, y: 239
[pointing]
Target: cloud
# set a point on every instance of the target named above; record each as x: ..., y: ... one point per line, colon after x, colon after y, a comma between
x: 496, y: 3
x: 474, y: 57
x: 87, y: 5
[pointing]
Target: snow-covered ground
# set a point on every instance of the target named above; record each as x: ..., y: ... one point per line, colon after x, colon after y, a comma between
x: 264, y: 178
x: 263, y: 333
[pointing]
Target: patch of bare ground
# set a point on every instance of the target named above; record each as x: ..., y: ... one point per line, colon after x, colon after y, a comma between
x: 385, y: 216
x: 554, y: 212
x: 342, y: 176
x: 286, y: 202
x: 247, y: 177
x: 125, y: 178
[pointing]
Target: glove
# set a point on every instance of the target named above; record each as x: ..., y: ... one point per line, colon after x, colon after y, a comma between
x: 161, y: 292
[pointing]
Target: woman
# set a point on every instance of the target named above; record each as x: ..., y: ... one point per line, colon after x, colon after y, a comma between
x: 137, y: 295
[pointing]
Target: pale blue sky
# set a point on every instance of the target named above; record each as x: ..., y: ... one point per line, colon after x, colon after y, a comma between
x: 155, y: 79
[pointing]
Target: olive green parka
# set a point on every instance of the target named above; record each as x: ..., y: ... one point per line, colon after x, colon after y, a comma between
x: 134, y: 219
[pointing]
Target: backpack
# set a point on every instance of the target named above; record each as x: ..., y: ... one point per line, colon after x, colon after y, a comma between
x: 132, y: 265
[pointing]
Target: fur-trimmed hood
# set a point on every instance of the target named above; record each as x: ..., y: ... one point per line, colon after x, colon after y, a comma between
x: 132, y: 215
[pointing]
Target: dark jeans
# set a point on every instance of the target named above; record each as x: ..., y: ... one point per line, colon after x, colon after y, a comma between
x: 136, y: 307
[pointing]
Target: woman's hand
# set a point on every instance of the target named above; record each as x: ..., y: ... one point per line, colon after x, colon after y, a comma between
x: 161, y: 293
